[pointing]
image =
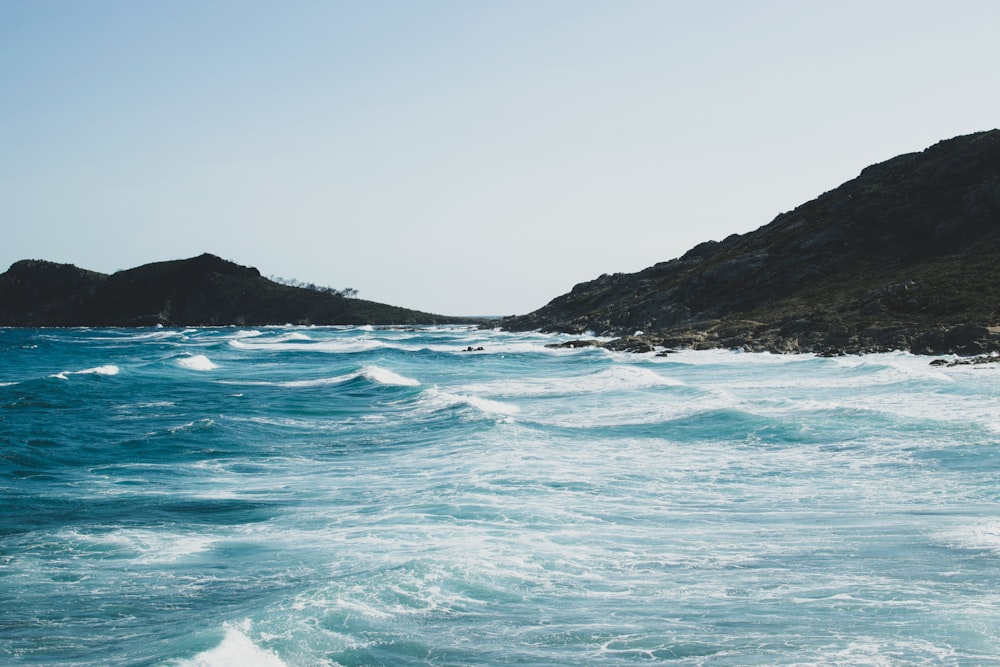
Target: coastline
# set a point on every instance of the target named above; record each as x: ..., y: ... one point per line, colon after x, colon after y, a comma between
x: 965, y: 340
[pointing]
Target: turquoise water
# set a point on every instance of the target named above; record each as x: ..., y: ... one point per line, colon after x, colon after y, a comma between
x: 339, y: 496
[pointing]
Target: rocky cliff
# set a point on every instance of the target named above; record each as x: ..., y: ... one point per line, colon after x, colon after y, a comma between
x: 905, y: 256
x: 203, y: 290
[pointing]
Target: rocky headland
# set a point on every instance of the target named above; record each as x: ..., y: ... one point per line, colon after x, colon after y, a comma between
x: 200, y: 291
x: 906, y: 256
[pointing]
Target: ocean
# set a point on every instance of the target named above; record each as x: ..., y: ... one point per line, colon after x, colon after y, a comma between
x: 384, y: 496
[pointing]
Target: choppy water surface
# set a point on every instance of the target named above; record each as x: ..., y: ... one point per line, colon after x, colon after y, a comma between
x: 345, y: 496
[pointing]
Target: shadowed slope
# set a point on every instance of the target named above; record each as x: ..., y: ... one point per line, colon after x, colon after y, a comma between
x: 895, y: 258
x: 203, y: 290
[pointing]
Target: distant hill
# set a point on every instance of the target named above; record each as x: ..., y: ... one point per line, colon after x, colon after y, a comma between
x: 200, y: 291
x: 905, y: 256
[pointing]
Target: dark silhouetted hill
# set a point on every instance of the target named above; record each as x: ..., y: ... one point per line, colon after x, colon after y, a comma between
x: 201, y: 291
x: 905, y: 256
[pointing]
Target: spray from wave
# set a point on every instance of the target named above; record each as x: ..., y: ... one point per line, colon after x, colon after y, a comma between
x: 235, y: 650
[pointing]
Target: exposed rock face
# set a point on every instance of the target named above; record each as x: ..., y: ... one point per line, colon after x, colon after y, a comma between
x: 905, y: 256
x: 203, y: 290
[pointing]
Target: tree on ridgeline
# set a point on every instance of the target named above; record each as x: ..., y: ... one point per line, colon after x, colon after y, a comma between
x: 346, y: 293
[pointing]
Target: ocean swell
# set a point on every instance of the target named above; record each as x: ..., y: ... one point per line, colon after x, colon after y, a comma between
x: 222, y: 496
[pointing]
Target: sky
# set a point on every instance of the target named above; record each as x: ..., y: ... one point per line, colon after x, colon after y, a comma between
x: 459, y: 157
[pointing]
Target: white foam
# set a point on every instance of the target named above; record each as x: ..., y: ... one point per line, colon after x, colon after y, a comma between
x: 402, y: 340
x: 313, y: 382
x: 143, y: 546
x: 726, y: 357
x: 878, y: 652
x: 387, y: 377
x: 235, y: 650
x: 316, y: 382
x: 896, y: 367
x: 155, y: 335
x: 109, y: 369
x: 491, y: 406
x: 197, y: 362
x: 192, y: 426
x: 518, y: 346
x: 984, y: 536
x: 248, y: 333
x: 375, y: 374
x: 296, y: 342
x: 158, y: 335
x: 441, y: 399
x: 291, y: 335
x: 615, y: 378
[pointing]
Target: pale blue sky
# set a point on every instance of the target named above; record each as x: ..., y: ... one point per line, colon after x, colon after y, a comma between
x: 462, y: 157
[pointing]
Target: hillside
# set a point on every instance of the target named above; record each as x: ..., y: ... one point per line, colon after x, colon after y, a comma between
x: 203, y: 290
x: 905, y: 256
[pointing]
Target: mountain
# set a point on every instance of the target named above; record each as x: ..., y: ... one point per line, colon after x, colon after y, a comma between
x: 203, y: 290
x: 905, y: 256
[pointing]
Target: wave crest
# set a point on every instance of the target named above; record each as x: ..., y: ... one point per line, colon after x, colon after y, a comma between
x: 197, y: 362
x: 384, y: 376
x: 443, y: 399
x: 109, y: 369
x: 616, y: 378
x: 235, y: 649
x: 373, y: 374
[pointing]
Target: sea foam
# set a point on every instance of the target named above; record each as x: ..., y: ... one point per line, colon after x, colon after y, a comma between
x: 373, y: 374
x: 438, y: 399
x: 983, y: 536
x: 109, y: 369
x: 384, y: 376
x: 197, y: 362
x: 235, y: 650
x: 383, y: 506
x: 141, y: 546
x: 617, y: 378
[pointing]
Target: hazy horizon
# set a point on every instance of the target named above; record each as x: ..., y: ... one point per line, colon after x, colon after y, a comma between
x: 458, y: 158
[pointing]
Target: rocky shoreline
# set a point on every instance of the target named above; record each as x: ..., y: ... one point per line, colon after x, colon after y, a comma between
x: 803, y: 337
